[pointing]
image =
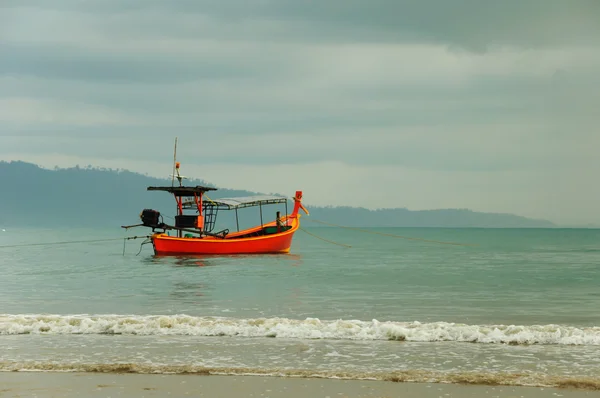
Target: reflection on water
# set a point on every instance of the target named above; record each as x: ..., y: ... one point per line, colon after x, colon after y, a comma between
x: 192, y: 261
x: 206, y: 260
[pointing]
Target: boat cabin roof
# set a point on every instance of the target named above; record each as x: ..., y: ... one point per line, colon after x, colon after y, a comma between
x: 244, y: 201
x: 183, y: 191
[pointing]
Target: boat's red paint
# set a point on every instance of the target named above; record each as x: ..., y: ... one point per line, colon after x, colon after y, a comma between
x: 275, y: 243
x: 199, y: 239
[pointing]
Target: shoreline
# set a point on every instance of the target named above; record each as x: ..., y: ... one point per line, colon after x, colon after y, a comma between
x: 478, y: 379
x: 76, y: 384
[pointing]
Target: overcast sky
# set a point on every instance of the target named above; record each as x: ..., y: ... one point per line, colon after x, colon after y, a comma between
x: 487, y: 105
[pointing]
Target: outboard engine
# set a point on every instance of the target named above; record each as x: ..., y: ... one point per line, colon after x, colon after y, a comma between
x: 150, y: 218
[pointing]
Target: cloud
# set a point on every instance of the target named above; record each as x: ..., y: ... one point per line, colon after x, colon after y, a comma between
x: 472, y: 25
x: 26, y: 111
x: 491, y: 106
x: 79, y: 63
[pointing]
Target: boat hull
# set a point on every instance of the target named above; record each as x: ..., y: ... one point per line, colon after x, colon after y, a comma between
x: 236, y: 244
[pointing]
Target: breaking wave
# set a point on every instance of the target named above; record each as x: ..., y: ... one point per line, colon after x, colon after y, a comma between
x: 416, y: 376
x: 309, y: 328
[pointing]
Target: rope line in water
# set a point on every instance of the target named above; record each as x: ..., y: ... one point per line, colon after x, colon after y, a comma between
x: 326, y: 240
x: 74, y: 241
x: 392, y: 235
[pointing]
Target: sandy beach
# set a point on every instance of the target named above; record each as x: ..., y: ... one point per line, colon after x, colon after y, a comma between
x: 54, y: 384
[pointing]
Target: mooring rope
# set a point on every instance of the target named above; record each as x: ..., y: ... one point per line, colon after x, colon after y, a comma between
x: 141, y: 246
x: 74, y: 241
x: 326, y: 240
x: 392, y: 235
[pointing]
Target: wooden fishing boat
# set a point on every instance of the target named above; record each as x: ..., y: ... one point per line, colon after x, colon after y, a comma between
x: 193, y: 233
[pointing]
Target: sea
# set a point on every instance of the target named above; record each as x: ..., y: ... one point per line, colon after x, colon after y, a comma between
x: 497, y: 306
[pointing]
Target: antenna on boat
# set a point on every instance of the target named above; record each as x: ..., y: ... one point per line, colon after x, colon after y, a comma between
x: 174, y: 164
x: 176, y: 167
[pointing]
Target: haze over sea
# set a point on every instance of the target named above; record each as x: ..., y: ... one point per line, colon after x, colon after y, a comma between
x: 519, y: 307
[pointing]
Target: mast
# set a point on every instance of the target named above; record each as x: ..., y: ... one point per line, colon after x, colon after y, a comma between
x: 199, y: 223
x: 174, y: 162
x: 179, y: 199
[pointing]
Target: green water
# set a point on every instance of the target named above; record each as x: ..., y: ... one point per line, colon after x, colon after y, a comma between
x: 512, y: 276
x: 431, y: 296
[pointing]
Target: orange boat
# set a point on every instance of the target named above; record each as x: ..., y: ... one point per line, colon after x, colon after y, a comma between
x: 194, y: 232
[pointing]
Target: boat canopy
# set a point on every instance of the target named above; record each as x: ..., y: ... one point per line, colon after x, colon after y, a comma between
x: 244, y: 201
x: 183, y: 191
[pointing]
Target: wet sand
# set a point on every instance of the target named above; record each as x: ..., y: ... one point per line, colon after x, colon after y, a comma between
x: 57, y: 384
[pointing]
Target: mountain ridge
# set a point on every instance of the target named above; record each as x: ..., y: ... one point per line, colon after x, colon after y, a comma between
x: 79, y: 196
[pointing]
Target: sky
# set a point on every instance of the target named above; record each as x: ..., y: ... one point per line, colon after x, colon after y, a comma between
x: 422, y: 104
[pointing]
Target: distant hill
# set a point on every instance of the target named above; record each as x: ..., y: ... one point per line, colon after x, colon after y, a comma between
x: 31, y: 195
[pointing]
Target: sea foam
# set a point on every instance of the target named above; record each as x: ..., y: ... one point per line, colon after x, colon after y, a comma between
x: 309, y: 328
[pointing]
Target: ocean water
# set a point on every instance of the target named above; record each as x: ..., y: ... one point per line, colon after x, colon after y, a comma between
x: 515, y: 306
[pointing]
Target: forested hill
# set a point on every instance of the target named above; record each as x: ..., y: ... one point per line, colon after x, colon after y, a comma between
x: 30, y: 196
